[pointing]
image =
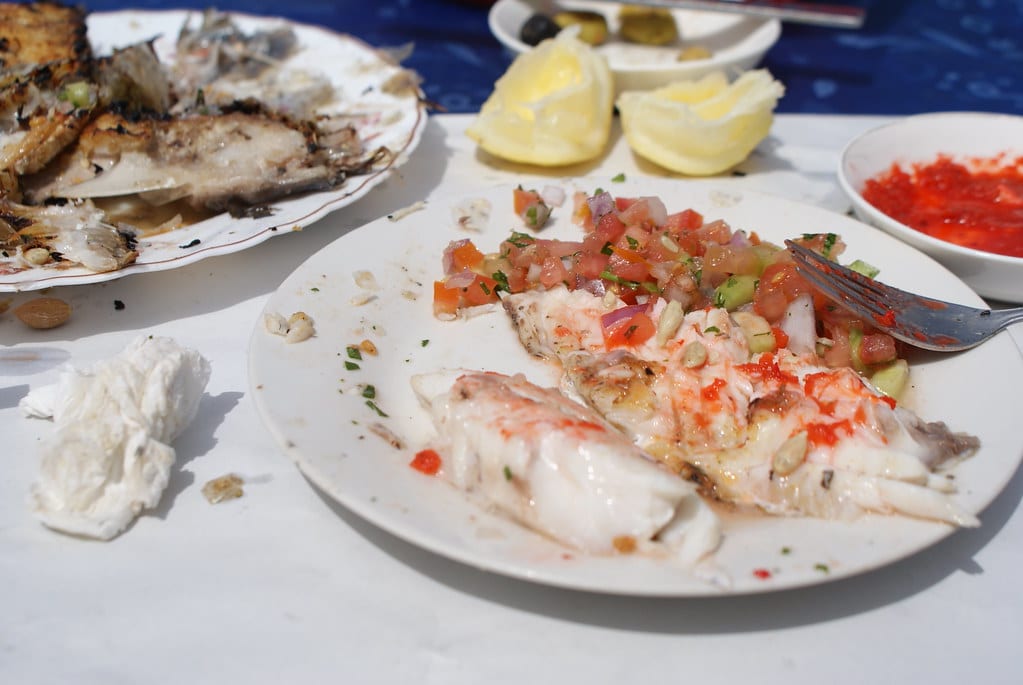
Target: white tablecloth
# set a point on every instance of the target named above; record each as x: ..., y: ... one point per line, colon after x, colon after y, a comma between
x: 283, y: 585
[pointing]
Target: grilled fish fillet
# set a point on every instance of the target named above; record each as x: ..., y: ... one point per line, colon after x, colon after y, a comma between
x: 243, y: 155
x: 40, y: 32
x: 775, y: 431
x: 554, y: 465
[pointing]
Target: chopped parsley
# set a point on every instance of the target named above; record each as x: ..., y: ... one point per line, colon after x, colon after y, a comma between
x: 508, y: 473
x: 373, y: 405
x: 502, y: 281
x: 424, y: 342
x: 711, y: 329
x: 353, y: 352
x: 618, y: 178
x: 520, y: 240
x: 823, y: 568
x: 369, y: 392
x: 633, y: 243
x: 607, y: 249
x: 352, y: 366
x: 484, y: 288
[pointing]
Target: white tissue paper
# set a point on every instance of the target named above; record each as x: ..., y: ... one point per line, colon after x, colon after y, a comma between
x: 110, y: 456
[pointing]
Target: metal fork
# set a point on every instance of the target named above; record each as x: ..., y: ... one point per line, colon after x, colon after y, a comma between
x: 914, y: 319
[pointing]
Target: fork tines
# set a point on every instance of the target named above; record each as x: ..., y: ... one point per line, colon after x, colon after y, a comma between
x: 854, y: 290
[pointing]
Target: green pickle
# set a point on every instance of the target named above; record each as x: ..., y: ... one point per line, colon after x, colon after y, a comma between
x: 592, y: 25
x: 647, y: 25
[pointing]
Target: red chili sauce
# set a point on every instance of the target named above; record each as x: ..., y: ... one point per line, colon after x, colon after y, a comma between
x: 977, y: 204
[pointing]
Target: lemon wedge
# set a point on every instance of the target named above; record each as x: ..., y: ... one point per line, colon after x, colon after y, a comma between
x: 553, y: 106
x: 701, y: 127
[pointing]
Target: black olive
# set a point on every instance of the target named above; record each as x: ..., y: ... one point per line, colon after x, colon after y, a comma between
x: 537, y: 28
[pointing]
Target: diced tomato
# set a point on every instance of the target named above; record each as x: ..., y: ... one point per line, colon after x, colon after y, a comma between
x: 779, y: 285
x: 627, y: 270
x: 465, y: 256
x: 636, y: 213
x: 426, y: 461
x: 590, y: 265
x: 627, y: 255
x: 483, y: 290
x: 686, y: 220
x: 581, y: 215
x: 522, y: 199
x: 715, y: 232
x: 445, y: 300
x: 629, y: 332
x: 877, y: 348
x: 609, y: 229
x: 553, y: 272
x: 623, y: 203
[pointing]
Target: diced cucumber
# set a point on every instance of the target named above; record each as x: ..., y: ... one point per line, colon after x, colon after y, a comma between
x: 862, y: 267
x: 855, y: 340
x: 892, y: 378
x: 735, y: 291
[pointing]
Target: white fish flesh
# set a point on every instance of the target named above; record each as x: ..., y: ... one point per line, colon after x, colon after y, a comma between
x: 555, y: 466
x: 776, y: 431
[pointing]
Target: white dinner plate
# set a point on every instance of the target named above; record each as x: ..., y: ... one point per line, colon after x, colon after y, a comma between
x: 736, y: 42
x: 315, y: 409
x: 392, y: 119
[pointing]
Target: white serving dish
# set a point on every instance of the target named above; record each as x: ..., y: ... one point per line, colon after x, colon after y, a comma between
x: 737, y: 43
x: 922, y: 138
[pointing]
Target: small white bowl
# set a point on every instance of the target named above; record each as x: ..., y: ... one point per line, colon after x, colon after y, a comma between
x: 737, y: 43
x: 922, y: 138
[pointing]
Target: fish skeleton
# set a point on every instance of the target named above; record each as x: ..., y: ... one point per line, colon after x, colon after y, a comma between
x: 555, y: 466
x: 776, y: 431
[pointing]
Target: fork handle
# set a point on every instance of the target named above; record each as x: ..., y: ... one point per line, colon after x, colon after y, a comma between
x: 1003, y: 318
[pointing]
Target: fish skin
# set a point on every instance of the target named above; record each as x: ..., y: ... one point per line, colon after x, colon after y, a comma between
x: 727, y: 439
x: 553, y: 465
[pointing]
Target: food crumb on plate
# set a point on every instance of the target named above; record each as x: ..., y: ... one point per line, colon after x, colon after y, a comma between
x: 405, y: 211
x: 296, y: 328
x: 472, y: 215
x: 223, y: 488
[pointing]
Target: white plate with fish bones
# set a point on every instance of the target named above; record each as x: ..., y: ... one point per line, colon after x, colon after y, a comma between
x: 358, y: 449
x: 361, y: 77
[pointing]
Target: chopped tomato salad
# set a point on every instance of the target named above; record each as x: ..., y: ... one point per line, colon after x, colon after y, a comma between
x: 633, y: 248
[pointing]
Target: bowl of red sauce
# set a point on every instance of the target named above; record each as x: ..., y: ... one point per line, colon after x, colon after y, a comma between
x: 951, y: 185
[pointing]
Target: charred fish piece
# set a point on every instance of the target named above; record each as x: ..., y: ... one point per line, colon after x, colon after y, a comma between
x: 73, y: 232
x: 39, y: 33
x: 213, y: 160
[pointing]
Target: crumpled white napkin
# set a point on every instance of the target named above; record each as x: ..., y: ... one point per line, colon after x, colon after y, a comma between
x: 110, y: 456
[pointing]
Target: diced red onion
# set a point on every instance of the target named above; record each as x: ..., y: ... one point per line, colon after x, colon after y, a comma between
x: 448, y: 261
x: 611, y: 318
x: 600, y: 204
x: 740, y: 239
x: 462, y: 279
x: 594, y: 286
